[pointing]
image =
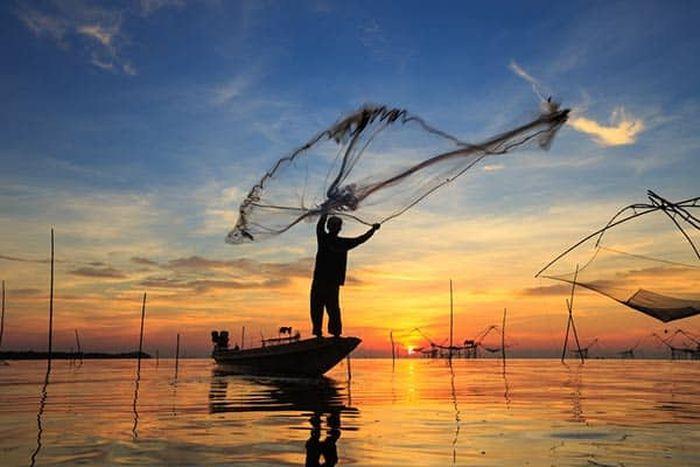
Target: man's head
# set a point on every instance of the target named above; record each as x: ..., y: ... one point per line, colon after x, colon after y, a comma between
x: 334, y: 225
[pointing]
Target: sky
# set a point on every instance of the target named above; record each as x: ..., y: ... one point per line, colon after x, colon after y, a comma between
x: 136, y: 128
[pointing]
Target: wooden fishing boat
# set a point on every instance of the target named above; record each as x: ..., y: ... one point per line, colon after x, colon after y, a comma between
x: 286, y: 357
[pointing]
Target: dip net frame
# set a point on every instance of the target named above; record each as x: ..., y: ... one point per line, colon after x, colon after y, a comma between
x: 666, y: 289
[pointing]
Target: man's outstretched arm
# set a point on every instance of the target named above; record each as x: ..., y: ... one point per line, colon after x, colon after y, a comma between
x: 357, y: 241
x: 321, y: 225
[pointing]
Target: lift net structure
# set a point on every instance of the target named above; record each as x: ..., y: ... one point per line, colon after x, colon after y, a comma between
x: 372, y: 166
x: 646, y: 257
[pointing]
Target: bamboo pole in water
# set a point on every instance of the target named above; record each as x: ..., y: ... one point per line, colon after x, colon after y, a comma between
x: 143, y: 317
x: 578, y: 343
x: 77, y: 341
x: 177, y: 354
x: 503, y: 335
x: 451, y: 320
x: 51, y: 300
x: 2, y: 316
x: 77, y: 344
x: 570, y: 320
x: 393, y: 351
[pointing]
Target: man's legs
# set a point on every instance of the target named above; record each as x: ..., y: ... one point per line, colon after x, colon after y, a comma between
x: 335, y: 326
x: 317, y: 302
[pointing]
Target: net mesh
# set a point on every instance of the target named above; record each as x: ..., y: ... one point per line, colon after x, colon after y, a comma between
x: 372, y: 166
x: 645, y: 258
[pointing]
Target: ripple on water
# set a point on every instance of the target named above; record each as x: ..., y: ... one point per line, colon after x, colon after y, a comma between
x: 538, y: 411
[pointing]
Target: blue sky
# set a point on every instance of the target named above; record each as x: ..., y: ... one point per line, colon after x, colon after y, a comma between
x: 136, y: 127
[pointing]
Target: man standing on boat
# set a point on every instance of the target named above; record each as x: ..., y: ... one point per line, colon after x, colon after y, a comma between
x: 329, y: 272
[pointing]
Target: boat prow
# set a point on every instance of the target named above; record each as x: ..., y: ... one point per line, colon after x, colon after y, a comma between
x: 303, y: 358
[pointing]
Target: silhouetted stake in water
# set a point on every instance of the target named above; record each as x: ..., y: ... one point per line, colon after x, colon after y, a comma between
x: 137, y: 380
x: 570, y: 325
x: 393, y: 351
x: 51, y: 301
x: 503, y: 336
x: 177, y: 354
x: 2, y: 316
x: 77, y: 343
x: 451, y: 322
x: 243, y: 338
x: 143, y: 317
x: 44, y: 389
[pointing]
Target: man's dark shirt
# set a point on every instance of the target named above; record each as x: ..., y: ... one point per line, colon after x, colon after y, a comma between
x: 332, y: 254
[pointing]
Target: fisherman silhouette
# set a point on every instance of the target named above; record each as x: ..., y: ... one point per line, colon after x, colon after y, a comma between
x: 329, y: 272
x: 315, y: 448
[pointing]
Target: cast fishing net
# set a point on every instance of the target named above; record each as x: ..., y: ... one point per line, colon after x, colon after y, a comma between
x: 372, y: 166
x: 646, y: 257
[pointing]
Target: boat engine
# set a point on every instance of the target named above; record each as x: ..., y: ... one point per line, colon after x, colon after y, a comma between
x: 219, y: 339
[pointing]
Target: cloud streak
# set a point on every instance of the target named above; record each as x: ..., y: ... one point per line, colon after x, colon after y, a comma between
x: 103, y: 272
x: 622, y: 130
x: 23, y: 260
x: 89, y: 28
x: 205, y: 285
x: 520, y: 71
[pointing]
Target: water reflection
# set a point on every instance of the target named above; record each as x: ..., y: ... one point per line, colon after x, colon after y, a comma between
x: 320, y: 401
x: 457, y: 413
x: 475, y: 413
x: 40, y: 414
x: 574, y: 382
x: 134, y: 406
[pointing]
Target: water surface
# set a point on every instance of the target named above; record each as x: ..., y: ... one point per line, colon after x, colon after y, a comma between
x: 423, y: 412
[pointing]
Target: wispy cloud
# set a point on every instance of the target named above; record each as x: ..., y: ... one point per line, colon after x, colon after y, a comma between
x: 231, y: 90
x: 493, y: 167
x: 148, y: 7
x: 23, y: 260
x: 383, y: 46
x: 99, y: 272
x: 204, y: 285
x: 535, y: 83
x: 143, y: 261
x: 89, y: 28
x: 547, y: 290
x: 101, y: 34
x: 622, y: 130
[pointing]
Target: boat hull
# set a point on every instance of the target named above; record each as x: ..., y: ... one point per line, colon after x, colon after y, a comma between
x: 306, y: 358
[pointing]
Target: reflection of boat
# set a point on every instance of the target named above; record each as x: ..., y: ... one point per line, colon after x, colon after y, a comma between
x: 317, y: 399
x: 275, y: 395
x: 295, y: 358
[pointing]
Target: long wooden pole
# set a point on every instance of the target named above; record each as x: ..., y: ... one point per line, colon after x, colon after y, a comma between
x: 77, y: 343
x: 570, y: 321
x: 566, y: 335
x: 393, y: 352
x: 51, y: 300
x: 243, y: 338
x: 2, y: 317
x: 578, y: 344
x: 143, y: 317
x: 503, y: 335
x: 451, y: 320
x: 177, y: 354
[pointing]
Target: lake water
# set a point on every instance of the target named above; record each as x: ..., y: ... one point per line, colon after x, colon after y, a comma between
x: 423, y: 412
